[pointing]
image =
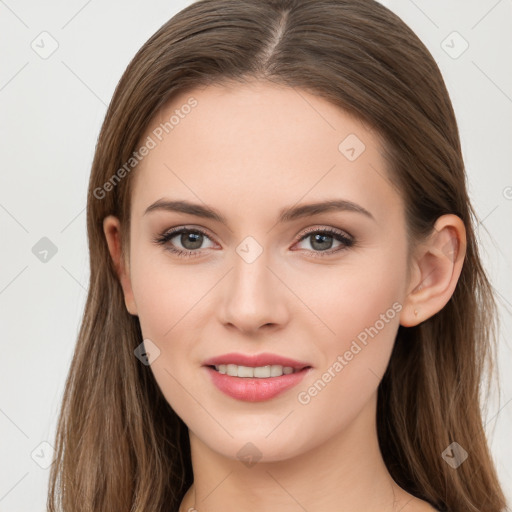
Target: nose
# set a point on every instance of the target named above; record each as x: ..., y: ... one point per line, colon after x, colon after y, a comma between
x: 253, y: 296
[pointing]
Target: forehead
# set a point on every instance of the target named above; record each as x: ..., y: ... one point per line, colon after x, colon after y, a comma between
x: 254, y: 142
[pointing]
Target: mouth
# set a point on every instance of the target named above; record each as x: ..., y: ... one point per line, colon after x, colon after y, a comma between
x: 258, y: 364
x: 255, y: 378
x: 258, y: 372
x: 257, y: 382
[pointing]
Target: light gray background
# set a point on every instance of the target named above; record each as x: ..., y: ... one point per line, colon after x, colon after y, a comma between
x: 52, y: 109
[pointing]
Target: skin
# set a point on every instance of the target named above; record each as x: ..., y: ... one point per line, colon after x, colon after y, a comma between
x: 248, y: 151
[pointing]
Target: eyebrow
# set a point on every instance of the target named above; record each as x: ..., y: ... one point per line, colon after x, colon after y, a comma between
x: 286, y: 214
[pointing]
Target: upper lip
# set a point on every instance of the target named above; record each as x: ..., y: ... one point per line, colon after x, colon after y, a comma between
x: 255, y: 360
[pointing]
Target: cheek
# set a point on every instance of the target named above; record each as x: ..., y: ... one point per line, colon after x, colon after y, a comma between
x: 361, y: 307
x: 167, y: 297
x: 340, y: 303
x: 354, y: 297
x: 176, y: 305
x: 163, y: 293
x: 354, y: 362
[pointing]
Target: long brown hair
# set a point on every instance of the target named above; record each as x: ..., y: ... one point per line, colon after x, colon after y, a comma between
x: 119, y: 444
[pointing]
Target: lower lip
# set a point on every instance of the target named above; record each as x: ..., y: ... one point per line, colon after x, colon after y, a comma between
x: 253, y: 389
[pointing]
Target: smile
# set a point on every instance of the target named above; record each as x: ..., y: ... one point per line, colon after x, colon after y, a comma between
x: 260, y: 372
x: 255, y: 389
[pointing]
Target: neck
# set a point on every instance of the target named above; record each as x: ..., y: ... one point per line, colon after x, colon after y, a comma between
x: 346, y: 473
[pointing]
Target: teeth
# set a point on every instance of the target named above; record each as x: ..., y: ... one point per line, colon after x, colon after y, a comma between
x: 261, y: 372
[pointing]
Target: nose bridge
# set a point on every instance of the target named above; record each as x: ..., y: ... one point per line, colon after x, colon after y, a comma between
x: 254, y: 297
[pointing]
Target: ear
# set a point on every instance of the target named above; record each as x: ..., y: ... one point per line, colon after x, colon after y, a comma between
x: 112, y: 230
x: 436, y: 267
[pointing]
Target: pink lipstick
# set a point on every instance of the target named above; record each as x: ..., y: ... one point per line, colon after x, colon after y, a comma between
x: 255, y: 378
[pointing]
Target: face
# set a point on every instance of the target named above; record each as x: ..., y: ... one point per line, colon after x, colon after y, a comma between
x: 323, y: 289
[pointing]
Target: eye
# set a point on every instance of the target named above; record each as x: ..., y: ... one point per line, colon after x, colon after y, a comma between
x: 189, y: 239
x: 321, y: 240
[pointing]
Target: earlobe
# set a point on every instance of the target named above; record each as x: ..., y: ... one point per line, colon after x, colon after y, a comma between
x: 112, y: 231
x: 437, y: 266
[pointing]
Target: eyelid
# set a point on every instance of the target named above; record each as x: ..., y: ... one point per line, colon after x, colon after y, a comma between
x: 170, y: 233
x: 329, y: 229
x: 175, y: 231
x: 205, y: 232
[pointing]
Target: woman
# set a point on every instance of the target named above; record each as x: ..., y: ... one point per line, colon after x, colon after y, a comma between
x: 287, y: 308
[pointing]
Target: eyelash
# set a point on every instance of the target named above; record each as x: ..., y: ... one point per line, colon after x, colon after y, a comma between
x: 166, y: 236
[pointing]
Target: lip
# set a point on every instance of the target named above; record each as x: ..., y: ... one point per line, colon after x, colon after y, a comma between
x: 254, y: 389
x: 263, y: 359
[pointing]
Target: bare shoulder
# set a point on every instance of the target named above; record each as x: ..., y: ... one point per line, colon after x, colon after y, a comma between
x: 417, y: 505
x: 409, y: 503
